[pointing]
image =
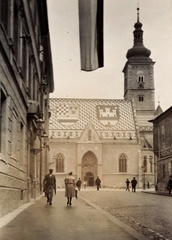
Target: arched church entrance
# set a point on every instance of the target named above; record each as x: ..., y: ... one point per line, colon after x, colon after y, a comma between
x: 89, y: 168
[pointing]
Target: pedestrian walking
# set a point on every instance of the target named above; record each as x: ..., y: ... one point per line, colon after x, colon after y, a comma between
x: 49, y: 184
x: 78, y: 184
x: 98, y: 183
x: 133, y: 184
x: 69, y: 188
x: 127, y: 185
x: 170, y: 184
x: 148, y: 185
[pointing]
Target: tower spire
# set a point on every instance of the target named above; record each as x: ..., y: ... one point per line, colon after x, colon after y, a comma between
x: 138, y: 48
x: 138, y: 14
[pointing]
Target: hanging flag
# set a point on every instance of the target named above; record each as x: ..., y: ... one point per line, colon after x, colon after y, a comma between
x: 91, y: 34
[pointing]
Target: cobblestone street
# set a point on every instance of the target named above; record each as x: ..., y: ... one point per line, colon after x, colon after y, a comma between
x: 82, y: 220
x: 137, y: 215
x: 150, y: 214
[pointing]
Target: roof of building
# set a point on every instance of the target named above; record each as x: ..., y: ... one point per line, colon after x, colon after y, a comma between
x: 162, y: 116
x: 107, y: 116
x: 158, y: 111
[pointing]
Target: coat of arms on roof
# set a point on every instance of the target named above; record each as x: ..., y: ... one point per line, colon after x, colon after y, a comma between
x: 67, y: 114
x: 108, y: 115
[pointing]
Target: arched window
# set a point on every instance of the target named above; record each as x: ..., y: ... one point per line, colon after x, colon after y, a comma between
x: 170, y: 168
x: 141, y: 98
x: 140, y: 79
x: 145, y: 163
x: 59, y: 162
x: 122, y: 163
x: 151, y: 167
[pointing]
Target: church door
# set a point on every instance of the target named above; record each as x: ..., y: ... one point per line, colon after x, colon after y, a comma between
x: 89, y: 178
x: 89, y: 168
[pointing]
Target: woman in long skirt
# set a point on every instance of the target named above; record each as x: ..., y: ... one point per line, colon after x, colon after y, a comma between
x: 70, y: 188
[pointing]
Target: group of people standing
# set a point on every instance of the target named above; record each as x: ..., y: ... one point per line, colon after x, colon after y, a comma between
x: 133, y: 184
x: 49, y: 184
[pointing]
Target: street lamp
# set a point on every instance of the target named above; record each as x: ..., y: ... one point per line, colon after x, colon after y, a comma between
x: 144, y: 180
x: 153, y: 163
x: 39, y: 123
x: 45, y: 138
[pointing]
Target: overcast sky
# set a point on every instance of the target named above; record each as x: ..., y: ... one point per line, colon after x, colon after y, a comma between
x: 119, y: 19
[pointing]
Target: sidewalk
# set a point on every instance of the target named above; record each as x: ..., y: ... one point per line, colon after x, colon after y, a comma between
x: 152, y: 191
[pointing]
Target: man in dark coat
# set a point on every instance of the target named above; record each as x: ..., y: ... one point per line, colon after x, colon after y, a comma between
x: 98, y: 182
x: 50, y: 185
x: 78, y: 184
x: 170, y: 185
x: 133, y: 184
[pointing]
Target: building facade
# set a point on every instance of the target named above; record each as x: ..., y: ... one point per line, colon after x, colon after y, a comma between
x: 26, y: 79
x: 162, y: 135
x: 108, y: 138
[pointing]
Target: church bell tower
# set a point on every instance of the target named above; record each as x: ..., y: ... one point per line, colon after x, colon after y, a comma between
x: 139, y: 73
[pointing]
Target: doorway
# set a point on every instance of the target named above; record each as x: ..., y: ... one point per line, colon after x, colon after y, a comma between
x: 89, y: 168
x: 89, y: 179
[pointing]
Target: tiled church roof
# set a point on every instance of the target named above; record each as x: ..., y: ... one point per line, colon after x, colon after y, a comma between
x: 104, y: 114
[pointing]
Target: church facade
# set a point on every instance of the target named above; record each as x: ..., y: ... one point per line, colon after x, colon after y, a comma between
x: 109, y: 138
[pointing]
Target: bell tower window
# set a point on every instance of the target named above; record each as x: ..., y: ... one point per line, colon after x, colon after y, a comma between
x: 140, y: 80
x: 141, y: 98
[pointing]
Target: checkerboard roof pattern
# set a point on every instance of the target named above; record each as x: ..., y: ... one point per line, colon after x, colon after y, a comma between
x: 87, y: 112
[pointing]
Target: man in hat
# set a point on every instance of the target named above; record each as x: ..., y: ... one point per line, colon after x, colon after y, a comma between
x: 133, y: 184
x: 98, y: 183
x: 78, y: 184
x: 50, y: 185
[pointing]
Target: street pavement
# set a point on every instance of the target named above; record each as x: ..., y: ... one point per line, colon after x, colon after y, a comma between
x: 84, y: 220
x: 148, y: 211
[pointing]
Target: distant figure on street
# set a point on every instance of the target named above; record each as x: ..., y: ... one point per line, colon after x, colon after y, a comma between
x: 98, y: 183
x: 69, y: 188
x: 148, y: 185
x: 127, y: 185
x: 133, y: 184
x: 85, y: 184
x: 78, y: 184
x: 156, y: 186
x: 49, y: 184
x: 170, y: 184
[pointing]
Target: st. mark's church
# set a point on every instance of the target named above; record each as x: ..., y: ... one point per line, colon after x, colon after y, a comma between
x: 109, y: 138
